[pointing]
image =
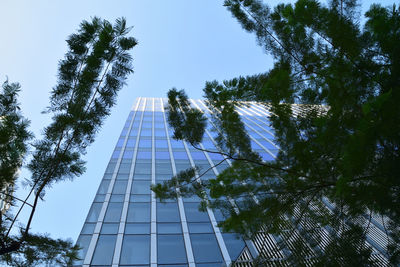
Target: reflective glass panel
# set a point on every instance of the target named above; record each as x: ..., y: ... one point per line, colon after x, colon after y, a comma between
x: 135, y: 249
x: 171, y: 249
x: 114, y: 211
x: 94, y: 212
x: 104, y: 250
x: 205, y: 248
x: 138, y: 212
x: 193, y: 214
x: 169, y: 228
x: 137, y: 228
x: 167, y: 212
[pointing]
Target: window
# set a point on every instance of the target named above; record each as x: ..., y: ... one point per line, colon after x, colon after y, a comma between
x: 163, y: 168
x: 88, y: 228
x: 122, y: 176
x: 144, y: 155
x: 145, y: 132
x: 128, y: 154
x: 120, y: 142
x: 196, y: 155
x: 138, y: 212
x: 197, y: 228
x: 135, y: 249
x: 137, y: 228
x: 142, y: 177
x: 99, y: 198
x: 110, y: 228
x: 162, y: 155
x: 104, y: 250
x: 171, y: 249
x: 167, y: 212
x: 83, y: 242
x: 119, y: 187
x: 117, y: 198
x: 131, y: 142
x: 159, y: 132
x: 205, y: 248
x: 180, y: 155
x: 234, y: 244
x: 124, y: 168
x: 182, y: 167
x: 161, y: 143
x: 94, y: 212
x: 169, y: 228
x: 111, y: 167
x: 134, y: 130
x: 176, y: 144
x: 145, y: 143
x: 193, y: 214
x: 216, y: 157
x: 140, y: 187
x: 140, y: 198
x: 143, y: 168
x: 114, y: 211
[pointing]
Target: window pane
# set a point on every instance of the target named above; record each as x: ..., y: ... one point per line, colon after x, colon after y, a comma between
x: 167, y: 212
x: 135, y: 249
x: 197, y: 155
x: 103, y: 187
x: 163, y: 168
x: 138, y: 212
x: 110, y: 228
x: 200, y: 228
x: 162, y: 155
x: 117, y: 198
x: 119, y: 187
x: 193, y: 214
x: 171, y: 249
x: 169, y: 228
x: 144, y: 155
x: 83, y: 242
x: 180, y: 155
x: 99, y: 198
x: 122, y: 176
x: 104, y: 250
x: 94, y: 212
x: 161, y: 143
x: 143, y: 168
x: 140, y: 198
x: 124, y: 168
x: 234, y: 244
x: 137, y: 228
x: 114, y: 211
x: 145, y: 143
x: 88, y: 228
x: 140, y: 187
x: 205, y: 248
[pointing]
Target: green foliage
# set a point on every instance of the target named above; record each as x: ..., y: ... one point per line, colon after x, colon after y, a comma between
x: 43, y: 250
x: 340, y: 151
x: 13, y: 134
x: 89, y: 77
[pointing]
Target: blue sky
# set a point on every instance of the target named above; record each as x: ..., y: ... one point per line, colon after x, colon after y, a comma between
x: 182, y: 44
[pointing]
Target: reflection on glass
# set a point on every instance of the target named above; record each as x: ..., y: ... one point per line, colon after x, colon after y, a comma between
x: 135, y: 249
x: 171, y: 249
x: 104, y: 250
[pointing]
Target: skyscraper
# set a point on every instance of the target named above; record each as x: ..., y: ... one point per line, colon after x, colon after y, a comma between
x: 127, y: 226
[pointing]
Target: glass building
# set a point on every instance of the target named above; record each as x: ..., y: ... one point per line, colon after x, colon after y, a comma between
x: 127, y: 226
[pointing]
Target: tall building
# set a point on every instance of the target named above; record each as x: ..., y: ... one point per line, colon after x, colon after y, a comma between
x: 128, y: 226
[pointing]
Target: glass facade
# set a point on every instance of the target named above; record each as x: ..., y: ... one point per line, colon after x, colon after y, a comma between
x: 127, y: 226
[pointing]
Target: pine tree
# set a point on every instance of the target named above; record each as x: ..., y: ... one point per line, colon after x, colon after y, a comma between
x: 89, y: 77
x: 342, y: 149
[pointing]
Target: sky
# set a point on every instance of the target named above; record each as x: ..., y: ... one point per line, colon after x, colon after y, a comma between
x: 182, y: 44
